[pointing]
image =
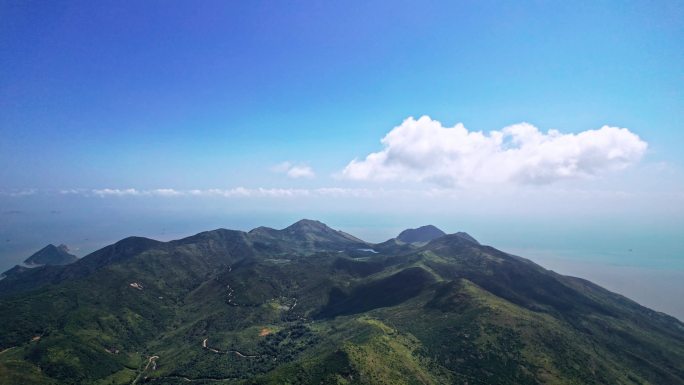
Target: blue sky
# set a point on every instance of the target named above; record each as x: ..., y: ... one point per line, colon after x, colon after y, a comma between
x: 162, y: 119
x: 262, y: 106
x: 146, y: 95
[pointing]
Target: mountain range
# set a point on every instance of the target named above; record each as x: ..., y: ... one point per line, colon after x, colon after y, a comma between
x: 312, y: 305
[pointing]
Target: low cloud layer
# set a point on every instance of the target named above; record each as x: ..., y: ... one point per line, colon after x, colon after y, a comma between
x: 19, y: 193
x: 236, y: 192
x: 423, y: 150
x: 294, y: 170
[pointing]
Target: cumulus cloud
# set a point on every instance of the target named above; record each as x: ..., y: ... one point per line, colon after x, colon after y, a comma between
x: 294, y: 170
x: 424, y: 150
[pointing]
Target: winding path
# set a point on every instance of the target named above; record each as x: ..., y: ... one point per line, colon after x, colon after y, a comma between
x: 186, y: 379
x: 236, y: 352
x: 150, y: 361
x: 8, y: 349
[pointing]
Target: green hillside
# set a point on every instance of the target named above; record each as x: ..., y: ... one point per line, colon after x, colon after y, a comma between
x: 312, y: 305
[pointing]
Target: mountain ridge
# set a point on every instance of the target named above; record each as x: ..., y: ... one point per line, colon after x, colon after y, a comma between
x: 304, y: 305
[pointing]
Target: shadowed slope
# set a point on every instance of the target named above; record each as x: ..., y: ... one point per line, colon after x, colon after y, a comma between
x: 421, y: 234
x: 52, y: 255
x: 303, y: 305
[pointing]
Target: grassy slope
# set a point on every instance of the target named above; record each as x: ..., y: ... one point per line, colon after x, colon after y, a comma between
x: 450, y: 312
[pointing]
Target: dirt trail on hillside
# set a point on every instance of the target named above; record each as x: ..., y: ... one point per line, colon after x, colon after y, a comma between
x: 8, y: 349
x: 150, y: 361
x: 236, y: 352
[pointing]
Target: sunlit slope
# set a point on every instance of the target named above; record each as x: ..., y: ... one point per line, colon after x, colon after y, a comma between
x: 308, y: 304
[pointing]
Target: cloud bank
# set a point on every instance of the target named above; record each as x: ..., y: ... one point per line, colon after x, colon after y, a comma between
x: 19, y: 193
x: 294, y: 171
x: 236, y: 192
x: 423, y: 150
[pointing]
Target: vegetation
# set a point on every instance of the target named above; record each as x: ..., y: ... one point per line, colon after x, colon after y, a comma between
x: 310, y: 305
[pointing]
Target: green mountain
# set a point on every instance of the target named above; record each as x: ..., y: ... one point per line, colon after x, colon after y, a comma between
x: 52, y: 255
x: 311, y: 305
x: 421, y: 234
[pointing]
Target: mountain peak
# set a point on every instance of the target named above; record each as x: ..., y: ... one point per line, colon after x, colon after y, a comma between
x: 420, y: 234
x: 51, y: 255
x: 315, y: 234
x: 307, y: 224
x: 466, y: 236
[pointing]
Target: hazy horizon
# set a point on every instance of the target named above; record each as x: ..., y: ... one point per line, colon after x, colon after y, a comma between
x: 640, y: 263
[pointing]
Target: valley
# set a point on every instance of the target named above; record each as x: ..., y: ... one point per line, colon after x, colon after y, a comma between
x: 308, y: 305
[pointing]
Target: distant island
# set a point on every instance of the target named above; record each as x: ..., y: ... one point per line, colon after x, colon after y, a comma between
x: 52, y: 255
x: 49, y: 255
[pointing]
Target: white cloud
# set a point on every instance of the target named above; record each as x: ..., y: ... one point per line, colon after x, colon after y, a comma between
x: 424, y: 150
x: 237, y: 192
x: 115, y: 192
x: 105, y: 192
x: 166, y: 192
x: 72, y: 191
x: 294, y: 170
x: 243, y: 192
x: 300, y: 172
x: 20, y: 193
